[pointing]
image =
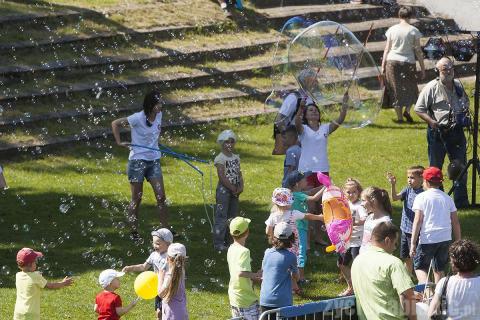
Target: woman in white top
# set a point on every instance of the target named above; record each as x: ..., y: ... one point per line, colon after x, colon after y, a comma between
x: 144, y: 162
x: 313, y: 137
x: 463, y: 288
x: 398, y: 65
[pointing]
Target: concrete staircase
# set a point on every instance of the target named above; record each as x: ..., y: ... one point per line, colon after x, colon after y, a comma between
x: 63, y: 81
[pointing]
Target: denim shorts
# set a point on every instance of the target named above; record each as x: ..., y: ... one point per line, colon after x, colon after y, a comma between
x: 344, y: 259
x: 138, y: 170
x: 435, y: 252
x: 405, y: 240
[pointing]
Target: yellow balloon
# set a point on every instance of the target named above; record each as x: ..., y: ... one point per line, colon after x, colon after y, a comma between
x: 146, y: 285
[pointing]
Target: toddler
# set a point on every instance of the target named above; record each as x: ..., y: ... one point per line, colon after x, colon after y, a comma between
x: 297, y: 182
x: 108, y: 304
x: 292, y: 155
x: 230, y: 185
x: 407, y: 196
x: 352, y: 190
x: 161, y: 240
x: 29, y: 284
x: 172, y: 282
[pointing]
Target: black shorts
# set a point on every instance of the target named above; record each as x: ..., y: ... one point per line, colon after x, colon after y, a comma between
x: 435, y: 252
x: 158, y: 303
x: 405, y: 241
x: 344, y: 259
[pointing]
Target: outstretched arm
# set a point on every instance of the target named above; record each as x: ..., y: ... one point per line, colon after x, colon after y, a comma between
x: 419, y: 55
x: 299, y: 118
x: 122, y: 310
x: 393, y: 182
x: 57, y: 285
x: 317, y: 196
x: 136, y: 267
x: 343, y: 113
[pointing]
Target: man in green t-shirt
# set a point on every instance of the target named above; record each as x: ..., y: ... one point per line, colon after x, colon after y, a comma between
x: 383, y: 287
x: 243, y: 300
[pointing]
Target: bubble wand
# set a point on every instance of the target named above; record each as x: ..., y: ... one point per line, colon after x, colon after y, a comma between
x: 185, y: 158
x: 361, y: 57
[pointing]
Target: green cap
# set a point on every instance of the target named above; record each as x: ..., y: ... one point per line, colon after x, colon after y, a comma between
x: 238, y: 226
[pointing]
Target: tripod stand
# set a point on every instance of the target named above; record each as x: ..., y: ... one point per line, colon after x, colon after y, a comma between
x: 474, y: 162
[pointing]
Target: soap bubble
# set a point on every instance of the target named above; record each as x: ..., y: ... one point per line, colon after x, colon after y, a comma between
x: 26, y: 228
x: 283, y: 82
x: 64, y: 208
x: 327, y: 60
x: 5, y: 270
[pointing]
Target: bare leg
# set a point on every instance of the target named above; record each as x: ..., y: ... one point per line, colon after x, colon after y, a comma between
x: 137, y: 191
x: 347, y: 276
x: 438, y: 275
x: 421, y: 276
x: 159, y: 190
x: 301, y: 273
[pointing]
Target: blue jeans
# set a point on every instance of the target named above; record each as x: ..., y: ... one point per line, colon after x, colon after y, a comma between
x: 453, y: 144
x: 226, y: 208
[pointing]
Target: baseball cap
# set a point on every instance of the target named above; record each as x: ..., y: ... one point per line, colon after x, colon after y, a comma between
x: 176, y: 249
x: 164, y: 234
x: 294, y: 177
x: 282, y: 197
x: 106, y: 277
x: 433, y: 174
x: 26, y: 256
x: 239, y: 225
x: 282, y: 230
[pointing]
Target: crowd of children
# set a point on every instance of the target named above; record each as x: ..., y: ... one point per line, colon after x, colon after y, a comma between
x: 428, y: 219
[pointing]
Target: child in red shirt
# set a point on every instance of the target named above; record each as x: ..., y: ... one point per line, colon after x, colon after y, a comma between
x: 108, y: 304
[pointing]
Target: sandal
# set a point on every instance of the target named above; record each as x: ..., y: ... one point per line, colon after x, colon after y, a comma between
x: 346, y: 292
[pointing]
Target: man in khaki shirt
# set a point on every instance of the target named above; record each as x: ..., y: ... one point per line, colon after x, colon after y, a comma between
x: 441, y: 104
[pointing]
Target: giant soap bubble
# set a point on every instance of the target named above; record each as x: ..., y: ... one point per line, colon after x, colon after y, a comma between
x: 327, y: 60
x: 283, y: 80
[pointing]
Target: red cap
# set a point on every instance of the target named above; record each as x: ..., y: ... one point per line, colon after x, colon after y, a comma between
x: 26, y: 256
x: 433, y: 174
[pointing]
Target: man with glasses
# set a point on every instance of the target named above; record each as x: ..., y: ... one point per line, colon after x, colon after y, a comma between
x: 444, y: 106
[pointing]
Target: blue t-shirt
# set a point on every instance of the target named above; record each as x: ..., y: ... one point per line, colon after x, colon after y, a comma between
x: 300, y: 204
x: 276, y: 290
x: 407, y: 195
x: 292, y: 156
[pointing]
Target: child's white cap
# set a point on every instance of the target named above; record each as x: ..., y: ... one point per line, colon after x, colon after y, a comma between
x: 106, y: 277
x: 176, y: 249
x: 282, y: 231
x: 226, y: 135
x: 164, y: 234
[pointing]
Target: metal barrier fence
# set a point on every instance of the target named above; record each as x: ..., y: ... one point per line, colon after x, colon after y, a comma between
x: 334, y: 309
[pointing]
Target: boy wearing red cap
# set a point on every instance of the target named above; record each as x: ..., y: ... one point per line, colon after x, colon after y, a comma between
x: 29, y: 284
x: 435, y: 219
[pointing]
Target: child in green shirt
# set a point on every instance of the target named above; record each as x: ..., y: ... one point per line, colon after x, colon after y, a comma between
x: 243, y: 300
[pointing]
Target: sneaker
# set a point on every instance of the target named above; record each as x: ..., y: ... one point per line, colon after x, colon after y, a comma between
x: 225, y: 9
x: 408, y: 117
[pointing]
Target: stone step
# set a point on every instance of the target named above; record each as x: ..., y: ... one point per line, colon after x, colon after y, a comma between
x: 179, y: 54
x: 288, y: 3
x: 197, y: 76
x: 274, y: 17
x: 38, y: 18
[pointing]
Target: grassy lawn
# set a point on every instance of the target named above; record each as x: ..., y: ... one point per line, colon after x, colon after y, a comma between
x: 70, y: 204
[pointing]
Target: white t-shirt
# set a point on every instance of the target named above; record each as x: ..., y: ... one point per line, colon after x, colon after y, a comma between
x: 289, y: 217
x: 358, y: 213
x: 157, y: 260
x: 314, y: 149
x: 437, y: 207
x: 369, y: 225
x: 289, y: 105
x: 144, y: 135
x: 232, y: 167
x: 402, y: 38
x: 463, y: 297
